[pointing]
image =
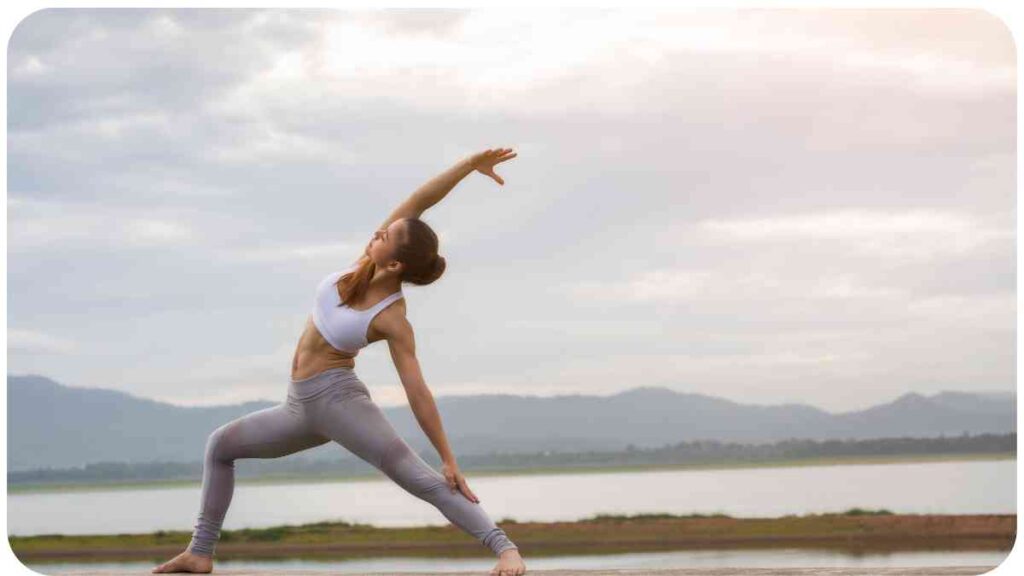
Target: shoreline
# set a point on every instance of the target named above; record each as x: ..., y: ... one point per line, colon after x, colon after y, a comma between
x: 270, y: 479
x: 855, y: 531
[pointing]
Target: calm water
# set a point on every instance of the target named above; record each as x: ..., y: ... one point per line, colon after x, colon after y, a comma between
x: 956, y: 487
x: 651, y: 560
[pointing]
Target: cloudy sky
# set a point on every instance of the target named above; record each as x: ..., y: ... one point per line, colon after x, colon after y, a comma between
x: 765, y: 205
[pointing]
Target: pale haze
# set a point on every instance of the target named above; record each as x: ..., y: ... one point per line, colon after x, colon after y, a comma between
x: 771, y: 206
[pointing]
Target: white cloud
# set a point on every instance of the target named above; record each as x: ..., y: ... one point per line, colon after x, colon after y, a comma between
x: 28, y: 66
x: 146, y: 232
x: 229, y: 379
x: 268, y: 143
x: 164, y: 26
x: 918, y: 233
x: 494, y: 58
x: 848, y: 286
x: 646, y: 286
x: 957, y: 310
x: 44, y: 224
x: 329, y: 251
x: 726, y: 282
x: 114, y: 127
x: 170, y: 185
x: 858, y: 301
x: 939, y: 72
x: 31, y: 341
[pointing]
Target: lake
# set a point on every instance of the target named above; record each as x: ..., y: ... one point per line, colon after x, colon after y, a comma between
x: 946, y: 487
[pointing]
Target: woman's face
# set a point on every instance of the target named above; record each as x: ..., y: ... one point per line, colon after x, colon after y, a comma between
x: 383, y: 245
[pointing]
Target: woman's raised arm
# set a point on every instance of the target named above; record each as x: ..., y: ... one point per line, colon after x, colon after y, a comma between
x: 439, y: 186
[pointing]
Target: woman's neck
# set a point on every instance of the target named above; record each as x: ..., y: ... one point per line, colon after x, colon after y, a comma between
x: 385, y: 282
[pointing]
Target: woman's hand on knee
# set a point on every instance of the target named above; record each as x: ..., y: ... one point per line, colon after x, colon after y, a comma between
x: 456, y: 481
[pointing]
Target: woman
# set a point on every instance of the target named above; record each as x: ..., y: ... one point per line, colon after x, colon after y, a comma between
x: 327, y: 401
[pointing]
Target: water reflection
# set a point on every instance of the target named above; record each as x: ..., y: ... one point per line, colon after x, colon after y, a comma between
x: 792, y: 558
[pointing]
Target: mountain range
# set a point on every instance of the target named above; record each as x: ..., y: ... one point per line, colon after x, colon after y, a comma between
x: 51, y: 425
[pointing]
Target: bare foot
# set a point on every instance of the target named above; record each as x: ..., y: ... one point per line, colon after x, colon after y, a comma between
x: 509, y: 564
x: 186, y: 562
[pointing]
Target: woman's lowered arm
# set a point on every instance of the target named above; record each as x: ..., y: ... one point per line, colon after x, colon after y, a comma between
x: 435, y: 189
x: 402, y: 344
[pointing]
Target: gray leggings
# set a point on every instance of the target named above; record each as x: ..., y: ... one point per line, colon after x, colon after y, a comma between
x: 333, y: 405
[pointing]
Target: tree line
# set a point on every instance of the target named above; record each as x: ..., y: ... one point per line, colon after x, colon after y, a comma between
x: 695, y: 452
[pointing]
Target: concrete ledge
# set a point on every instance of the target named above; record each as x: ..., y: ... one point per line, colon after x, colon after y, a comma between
x: 827, y: 571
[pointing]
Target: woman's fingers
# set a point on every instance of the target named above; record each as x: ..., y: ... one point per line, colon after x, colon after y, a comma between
x: 495, y: 155
x: 489, y: 171
x: 465, y: 490
x: 497, y: 151
x: 486, y: 160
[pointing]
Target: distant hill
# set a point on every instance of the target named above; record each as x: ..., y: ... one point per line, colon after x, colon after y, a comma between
x: 52, y: 425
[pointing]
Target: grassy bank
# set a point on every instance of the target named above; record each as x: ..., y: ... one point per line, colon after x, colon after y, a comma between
x: 852, y: 531
x: 477, y: 473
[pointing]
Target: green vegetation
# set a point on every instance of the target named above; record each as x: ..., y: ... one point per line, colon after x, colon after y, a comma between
x: 863, y: 512
x: 854, y: 529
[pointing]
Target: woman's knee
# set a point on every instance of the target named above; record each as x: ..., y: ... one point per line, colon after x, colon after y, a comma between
x: 218, y: 443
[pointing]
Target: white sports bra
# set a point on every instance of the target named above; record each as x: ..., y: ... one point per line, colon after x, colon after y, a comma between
x: 343, y: 327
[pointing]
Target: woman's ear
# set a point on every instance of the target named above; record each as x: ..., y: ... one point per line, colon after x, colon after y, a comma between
x: 396, y: 266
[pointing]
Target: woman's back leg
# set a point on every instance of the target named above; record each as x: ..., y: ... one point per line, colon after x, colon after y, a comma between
x: 269, y: 433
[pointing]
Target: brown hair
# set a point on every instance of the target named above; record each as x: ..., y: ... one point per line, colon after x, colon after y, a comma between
x: 418, y: 253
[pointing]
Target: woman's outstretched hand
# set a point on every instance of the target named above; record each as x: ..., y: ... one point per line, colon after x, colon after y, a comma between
x: 483, y: 162
x: 456, y: 481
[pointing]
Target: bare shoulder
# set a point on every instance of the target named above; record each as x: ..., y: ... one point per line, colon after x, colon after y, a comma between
x: 392, y: 322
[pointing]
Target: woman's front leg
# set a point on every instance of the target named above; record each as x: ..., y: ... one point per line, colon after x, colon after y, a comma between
x: 359, y: 425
